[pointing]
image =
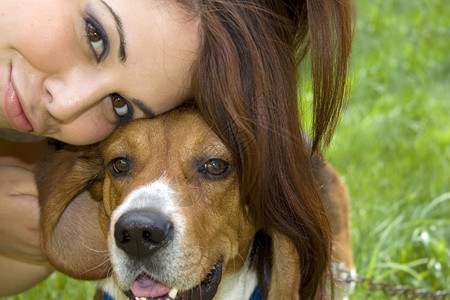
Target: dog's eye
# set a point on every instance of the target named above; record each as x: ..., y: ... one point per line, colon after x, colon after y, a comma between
x: 215, y: 168
x: 119, y: 165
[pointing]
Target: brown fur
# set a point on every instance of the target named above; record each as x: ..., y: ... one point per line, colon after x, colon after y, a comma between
x: 76, y: 215
x: 66, y: 230
x: 337, y: 206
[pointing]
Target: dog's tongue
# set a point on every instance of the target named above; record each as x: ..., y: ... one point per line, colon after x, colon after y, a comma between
x: 144, y: 286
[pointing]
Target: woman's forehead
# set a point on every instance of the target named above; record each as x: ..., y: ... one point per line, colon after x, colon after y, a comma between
x: 161, y: 42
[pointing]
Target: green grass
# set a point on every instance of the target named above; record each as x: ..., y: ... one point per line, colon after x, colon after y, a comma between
x: 392, y: 147
x: 58, y: 287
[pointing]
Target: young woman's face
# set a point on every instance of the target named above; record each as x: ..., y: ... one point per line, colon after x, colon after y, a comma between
x: 74, y: 70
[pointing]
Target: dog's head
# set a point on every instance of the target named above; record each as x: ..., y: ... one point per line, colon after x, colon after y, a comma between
x: 171, y: 207
x: 158, y: 201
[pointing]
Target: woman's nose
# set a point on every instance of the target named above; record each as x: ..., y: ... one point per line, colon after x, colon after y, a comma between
x: 71, y: 95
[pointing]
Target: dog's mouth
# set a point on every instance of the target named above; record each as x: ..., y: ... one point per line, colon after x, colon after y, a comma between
x: 146, y: 288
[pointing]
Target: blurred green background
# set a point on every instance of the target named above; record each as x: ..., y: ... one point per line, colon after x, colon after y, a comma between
x: 393, y: 145
x: 392, y: 148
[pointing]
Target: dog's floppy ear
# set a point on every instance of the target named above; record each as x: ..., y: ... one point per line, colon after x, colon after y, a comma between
x: 285, y: 274
x: 69, y: 183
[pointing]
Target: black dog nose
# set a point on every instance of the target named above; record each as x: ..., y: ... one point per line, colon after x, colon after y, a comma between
x: 140, y: 233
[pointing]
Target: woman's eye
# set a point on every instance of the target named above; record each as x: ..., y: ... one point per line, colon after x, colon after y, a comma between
x: 98, y: 40
x: 120, y: 105
x: 122, y: 108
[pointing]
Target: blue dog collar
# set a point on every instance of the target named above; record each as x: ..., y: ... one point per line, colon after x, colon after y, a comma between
x: 107, y: 297
x: 256, y: 295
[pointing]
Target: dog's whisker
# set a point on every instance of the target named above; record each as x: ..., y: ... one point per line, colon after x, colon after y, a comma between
x: 234, y: 261
x: 95, y: 250
x: 95, y: 267
x: 110, y: 271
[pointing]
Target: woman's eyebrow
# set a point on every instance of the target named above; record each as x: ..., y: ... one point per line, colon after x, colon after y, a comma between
x: 122, y: 46
x: 144, y: 108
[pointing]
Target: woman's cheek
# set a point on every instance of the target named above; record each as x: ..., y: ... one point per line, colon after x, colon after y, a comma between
x: 49, y: 42
x: 85, y: 131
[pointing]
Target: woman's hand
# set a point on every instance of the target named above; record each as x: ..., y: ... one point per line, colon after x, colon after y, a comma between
x: 19, y: 208
x: 20, y: 251
x: 19, y: 214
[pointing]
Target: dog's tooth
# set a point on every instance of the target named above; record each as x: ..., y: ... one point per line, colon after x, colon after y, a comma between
x: 173, y: 293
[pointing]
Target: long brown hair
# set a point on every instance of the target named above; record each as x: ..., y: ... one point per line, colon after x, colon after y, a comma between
x: 246, y: 86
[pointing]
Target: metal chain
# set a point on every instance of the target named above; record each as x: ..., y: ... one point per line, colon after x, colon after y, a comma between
x: 387, y: 288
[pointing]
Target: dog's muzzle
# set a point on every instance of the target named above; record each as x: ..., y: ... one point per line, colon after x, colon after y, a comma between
x: 140, y: 234
x: 145, y: 287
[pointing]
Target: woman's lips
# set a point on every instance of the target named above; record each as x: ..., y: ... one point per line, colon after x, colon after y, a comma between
x: 14, y: 111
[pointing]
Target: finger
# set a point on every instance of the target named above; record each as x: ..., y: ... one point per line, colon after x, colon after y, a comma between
x: 18, y: 180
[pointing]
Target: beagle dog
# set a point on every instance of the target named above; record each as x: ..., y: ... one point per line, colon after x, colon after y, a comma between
x: 154, y: 213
